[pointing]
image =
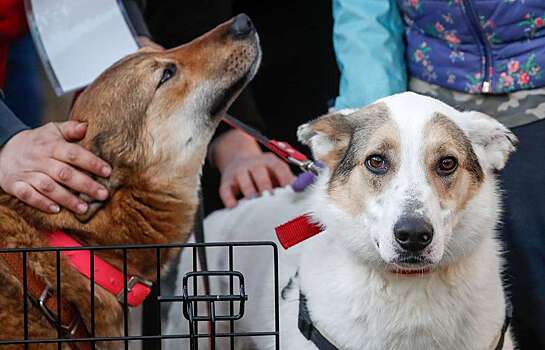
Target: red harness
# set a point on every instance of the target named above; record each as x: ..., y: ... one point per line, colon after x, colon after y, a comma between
x: 106, y: 275
x: 297, y: 230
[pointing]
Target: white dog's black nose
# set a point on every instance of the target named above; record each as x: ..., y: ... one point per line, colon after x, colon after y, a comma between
x: 413, y: 233
x: 242, y: 26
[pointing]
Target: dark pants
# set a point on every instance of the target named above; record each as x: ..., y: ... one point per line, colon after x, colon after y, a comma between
x: 523, y: 232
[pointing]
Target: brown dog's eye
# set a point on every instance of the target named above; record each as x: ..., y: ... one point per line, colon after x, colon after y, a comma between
x: 168, y: 72
x: 376, y: 164
x: 447, y: 166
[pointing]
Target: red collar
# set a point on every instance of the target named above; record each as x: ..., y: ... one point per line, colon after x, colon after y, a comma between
x: 297, y: 230
x: 106, y: 275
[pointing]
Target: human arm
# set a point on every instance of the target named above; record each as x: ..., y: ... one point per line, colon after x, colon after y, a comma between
x: 368, y: 41
x: 245, y: 169
x: 36, y: 165
x: 9, y: 124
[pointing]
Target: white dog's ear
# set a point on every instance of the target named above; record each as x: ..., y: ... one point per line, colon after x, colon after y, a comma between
x: 327, y: 134
x: 492, y: 141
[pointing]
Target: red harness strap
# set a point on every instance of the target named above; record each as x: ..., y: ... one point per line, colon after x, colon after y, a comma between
x: 297, y: 230
x: 106, y: 275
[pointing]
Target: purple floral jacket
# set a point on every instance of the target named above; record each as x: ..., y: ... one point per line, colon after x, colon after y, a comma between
x: 488, y: 46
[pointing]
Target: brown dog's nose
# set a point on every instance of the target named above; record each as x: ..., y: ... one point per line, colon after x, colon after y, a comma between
x: 242, y: 26
x: 413, y: 233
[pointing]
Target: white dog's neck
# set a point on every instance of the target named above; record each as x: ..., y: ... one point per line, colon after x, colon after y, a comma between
x: 358, y: 307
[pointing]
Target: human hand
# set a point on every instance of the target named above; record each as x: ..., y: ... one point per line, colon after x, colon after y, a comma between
x: 246, y: 170
x: 34, y: 164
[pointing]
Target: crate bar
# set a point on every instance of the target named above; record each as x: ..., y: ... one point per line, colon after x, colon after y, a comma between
x: 59, y: 300
x: 211, y: 297
x: 276, y: 302
x: 132, y: 338
x: 139, y: 246
x: 194, y: 342
x: 92, y: 292
x: 158, y: 288
x: 125, y: 301
x: 231, y: 304
x: 25, y: 299
x: 212, y: 313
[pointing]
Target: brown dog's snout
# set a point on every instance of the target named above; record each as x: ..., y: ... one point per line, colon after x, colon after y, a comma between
x: 241, y: 27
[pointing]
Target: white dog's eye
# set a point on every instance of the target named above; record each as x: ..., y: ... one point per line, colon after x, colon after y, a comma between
x: 447, y: 165
x: 376, y: 164
x: 168, y: 72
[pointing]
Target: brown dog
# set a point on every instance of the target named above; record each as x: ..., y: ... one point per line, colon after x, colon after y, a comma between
x: 150, y: 116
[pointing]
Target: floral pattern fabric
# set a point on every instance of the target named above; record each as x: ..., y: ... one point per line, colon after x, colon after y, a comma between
x: 467, y: 44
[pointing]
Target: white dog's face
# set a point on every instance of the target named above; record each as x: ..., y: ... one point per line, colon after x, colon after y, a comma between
x: 400, y: 175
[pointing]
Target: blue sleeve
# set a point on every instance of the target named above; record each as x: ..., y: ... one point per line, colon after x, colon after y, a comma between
x: 9, y: 124
x: 368, y: 40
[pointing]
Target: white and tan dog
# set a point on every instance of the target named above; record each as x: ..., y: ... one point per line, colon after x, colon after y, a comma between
x: 409, y: 258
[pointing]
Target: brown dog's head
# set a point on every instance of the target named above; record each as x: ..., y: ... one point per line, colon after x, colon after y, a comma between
x: 155, y: 111
x: 157, y: 104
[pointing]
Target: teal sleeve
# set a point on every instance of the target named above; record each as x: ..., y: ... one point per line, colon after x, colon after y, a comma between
x: 368, y: 40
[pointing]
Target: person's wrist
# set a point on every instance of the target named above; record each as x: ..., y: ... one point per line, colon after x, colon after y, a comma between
x: 13, y: 138
x: 12, y: 133
x: 232, y: 145
x: 2, y: 147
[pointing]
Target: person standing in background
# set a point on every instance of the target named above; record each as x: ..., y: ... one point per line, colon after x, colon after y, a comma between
x: 297, y: 79
x: 487, y: 56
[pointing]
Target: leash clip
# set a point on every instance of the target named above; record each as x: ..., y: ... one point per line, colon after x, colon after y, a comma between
x: 307, y: 165
x: 293, y: 156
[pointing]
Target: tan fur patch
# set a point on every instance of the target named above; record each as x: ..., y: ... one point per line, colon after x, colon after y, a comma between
x: 444, y: 138
x: 352, y: 185
x: 358, y: 186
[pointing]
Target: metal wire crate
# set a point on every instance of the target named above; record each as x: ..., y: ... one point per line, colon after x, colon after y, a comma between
x: 200, y: 309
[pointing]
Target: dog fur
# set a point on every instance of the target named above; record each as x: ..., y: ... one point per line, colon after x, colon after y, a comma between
x: 155, y: 137
x: 363, y: 290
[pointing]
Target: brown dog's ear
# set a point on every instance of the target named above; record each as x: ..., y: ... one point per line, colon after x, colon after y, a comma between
x: 95, y: 205
x: 326, y: 136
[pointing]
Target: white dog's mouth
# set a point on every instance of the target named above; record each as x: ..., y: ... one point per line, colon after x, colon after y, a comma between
x: 412, y: 272
x: 411, y: 266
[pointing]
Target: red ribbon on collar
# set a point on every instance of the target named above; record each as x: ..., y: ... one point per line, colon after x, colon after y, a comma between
x: 297, y: 230
x: 106, y: 275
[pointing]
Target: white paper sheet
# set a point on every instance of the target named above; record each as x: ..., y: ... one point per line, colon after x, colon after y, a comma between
x: 78, y: 39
